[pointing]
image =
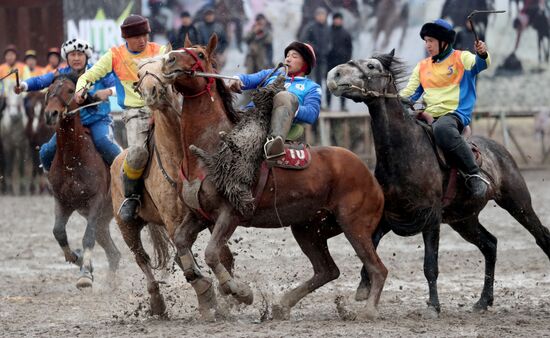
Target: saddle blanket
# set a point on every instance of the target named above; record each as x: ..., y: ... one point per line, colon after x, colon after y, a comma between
x: 297, y: 157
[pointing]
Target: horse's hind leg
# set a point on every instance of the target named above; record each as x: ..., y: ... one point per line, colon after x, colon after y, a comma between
x: 472, y: 231
x: 131, y: 233
x: 363, y: 289
x: 431, y: 265
x: 313, y: 242
x: 105, y: 240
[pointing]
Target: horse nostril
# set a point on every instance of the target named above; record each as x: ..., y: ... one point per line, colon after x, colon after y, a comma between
x: 154, y: 91
x: 172, y: 59
x: 337, y: 74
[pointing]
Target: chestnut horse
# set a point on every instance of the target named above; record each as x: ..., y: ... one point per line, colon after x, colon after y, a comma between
x: 79, y: 181
x: 161, y: 208
x: 336, y: 194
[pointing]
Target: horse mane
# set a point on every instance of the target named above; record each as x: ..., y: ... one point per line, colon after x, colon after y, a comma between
x: 394, y: 65
x: 72, y: 76
x: 228, y: 100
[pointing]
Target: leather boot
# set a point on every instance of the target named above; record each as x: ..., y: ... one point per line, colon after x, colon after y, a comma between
x: 281, y: 121
x: 466, y: 162
x: 132, y: 192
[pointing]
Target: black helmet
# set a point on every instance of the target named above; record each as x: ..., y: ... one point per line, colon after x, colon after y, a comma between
x: 438, y: 29
x: 306, y: 51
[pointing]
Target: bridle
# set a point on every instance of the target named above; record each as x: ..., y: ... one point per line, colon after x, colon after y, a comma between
x: 191, y: 72
x: 155, y: 76
x: 66, y: 103
x: 367, y: 77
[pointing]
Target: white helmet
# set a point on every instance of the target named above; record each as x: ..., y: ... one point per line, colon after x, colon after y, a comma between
x: 76, y: 44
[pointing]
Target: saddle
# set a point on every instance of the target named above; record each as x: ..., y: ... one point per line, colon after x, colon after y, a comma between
x: 425, y: 121
x: 297, y: 157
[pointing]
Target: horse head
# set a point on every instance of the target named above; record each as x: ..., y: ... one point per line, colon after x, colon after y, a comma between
x: 180, y: 66
x: 60, y: 98
x: 362, y: 80
x: 13, y: 106
x: 154, y: 87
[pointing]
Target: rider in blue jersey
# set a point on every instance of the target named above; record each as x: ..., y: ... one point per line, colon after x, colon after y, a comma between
x: 97, y: 118
x: 300, y: 103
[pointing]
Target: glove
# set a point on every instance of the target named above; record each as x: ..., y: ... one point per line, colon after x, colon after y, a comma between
x: 23, y: 87
x: 236, y: 85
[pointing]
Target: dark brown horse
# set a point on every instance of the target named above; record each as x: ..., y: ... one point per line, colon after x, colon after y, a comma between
x: 413, y: 181
x: 38, y: 132
x: 79, y: 180
x: 336, y: 194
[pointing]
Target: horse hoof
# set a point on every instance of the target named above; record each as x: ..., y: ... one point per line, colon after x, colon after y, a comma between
x: 280, y: 312
x: 430, y: 313
x: 84, y: 282
x: 369, y: 314
x: 158, y: 307
x: 480, y: 306
x: 243, y: 294
x: 361, y: 294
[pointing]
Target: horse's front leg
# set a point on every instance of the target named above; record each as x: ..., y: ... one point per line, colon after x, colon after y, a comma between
x: 224, y: 228
x: 88, y: 242
x: 363, y: 289
x: 62, y: 215
x: 431, y: 268
x: 184, y: 238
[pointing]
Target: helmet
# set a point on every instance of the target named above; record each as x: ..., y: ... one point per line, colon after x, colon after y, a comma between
x: 438, y: 29
x: 134, y: 25
x: 76, y: 44
x: 31, y: 53
x: 10, y: 47
x: 54, y: 50
x: 306, y: 51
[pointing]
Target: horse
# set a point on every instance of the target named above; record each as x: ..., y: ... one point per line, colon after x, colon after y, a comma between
x: 336, y: 194
x: 538, y: 19
x: 79, y: 181
x: 414, y: 183
x: 390, y: 15
x: 161, y: 208
x: 15, y: 145
x: 38, y: 132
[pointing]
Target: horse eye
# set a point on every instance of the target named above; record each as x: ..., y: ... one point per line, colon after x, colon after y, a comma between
x: 71, y: 91
x: 201, y: 55
x: 370, y: 66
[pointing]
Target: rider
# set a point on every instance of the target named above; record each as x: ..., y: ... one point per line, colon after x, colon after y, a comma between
x: 300, y: 103
x: 54, y: 60
x: 10, y: 56
x: 31, y: 63
x: 122, y: 62
x: 77, y: 53
x: 447, y: 81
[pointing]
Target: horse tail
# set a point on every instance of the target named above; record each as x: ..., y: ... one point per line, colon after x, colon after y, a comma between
x: 161, y: 246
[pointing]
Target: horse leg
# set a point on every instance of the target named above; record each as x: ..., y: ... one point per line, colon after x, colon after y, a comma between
x: 88, y: 242
x: 131, y: 233
x: 184, y: 238
x: 431, y: 268
x: 472, y: 231
x: 61, y: 217
x: 105, y: 240
x: 363, y: 289
x: 313, y: 242
x: 224, y: 228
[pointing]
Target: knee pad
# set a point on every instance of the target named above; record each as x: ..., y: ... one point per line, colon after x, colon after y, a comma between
x: 135, y: 161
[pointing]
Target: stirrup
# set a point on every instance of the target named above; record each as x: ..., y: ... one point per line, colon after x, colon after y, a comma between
x: 127, y: 199
x: 270, y: 140
x: 470, y: 176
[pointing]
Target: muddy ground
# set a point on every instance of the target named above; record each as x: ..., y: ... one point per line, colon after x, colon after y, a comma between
x: 38, y: 296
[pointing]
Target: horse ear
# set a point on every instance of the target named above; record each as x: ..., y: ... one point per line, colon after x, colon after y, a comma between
x: 212, y: 43
x: 187, y: 42
x: 392, y: 53
x: 168, y: 47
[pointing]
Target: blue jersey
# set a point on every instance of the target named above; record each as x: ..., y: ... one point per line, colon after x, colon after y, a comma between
x: 307, y: 91
x: 87, y: 115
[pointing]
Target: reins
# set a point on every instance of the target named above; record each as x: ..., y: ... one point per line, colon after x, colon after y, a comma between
x: 368, y: 77
x: 192, y: 72
x: 66, y: 104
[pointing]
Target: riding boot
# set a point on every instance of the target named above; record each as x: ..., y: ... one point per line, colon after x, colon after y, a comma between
x: 132, y: 192
x: 475, y: 182
x: 284, y: 107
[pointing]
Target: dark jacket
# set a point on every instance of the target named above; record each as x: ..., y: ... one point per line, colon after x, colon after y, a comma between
x: 177, y: 36
x: 205, y: 30
x: 341, y: 47
x: 317, y: 35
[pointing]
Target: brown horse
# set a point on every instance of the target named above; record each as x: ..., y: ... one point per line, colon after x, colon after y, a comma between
x: 336, y: 194
x: 79, y: 180
x: 38, y: 132
x: 161, y: 208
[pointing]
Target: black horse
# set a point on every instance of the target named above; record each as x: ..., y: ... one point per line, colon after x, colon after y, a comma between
x: 414, y: 182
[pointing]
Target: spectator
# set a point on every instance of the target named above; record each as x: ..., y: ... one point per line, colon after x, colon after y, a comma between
x: 341, y: 49
x: 260, y: 45
x: 308, y: 13
x: 10, y: 58
x: 54, y: 60
x: 206, y: 28
x: 177, y: 35
x: 31, y: 63
x: 317, y: 34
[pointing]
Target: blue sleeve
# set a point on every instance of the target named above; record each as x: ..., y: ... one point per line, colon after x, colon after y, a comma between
x: 417, y: 94
x: 40, y: 82
x: 480, y: 65
x: 251, y: 81
x: 308, y: 112
x: 108, y: 80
